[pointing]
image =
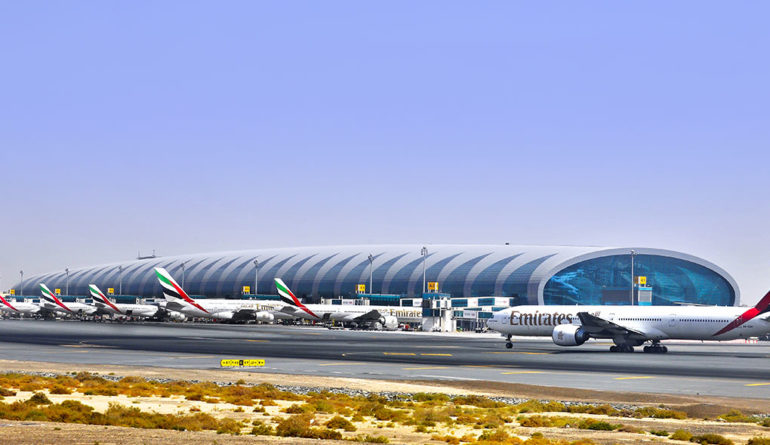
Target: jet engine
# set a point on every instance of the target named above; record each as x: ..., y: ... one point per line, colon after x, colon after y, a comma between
x: 265, y: 317
x: 569, y: 335
x: 224, y: 315
x: 388, y: 323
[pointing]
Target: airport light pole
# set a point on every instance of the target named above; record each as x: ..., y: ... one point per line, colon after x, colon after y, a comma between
x: 371, y: 266
x: 67, y: 283
x: 120, y: 280
x: 633, y: 253
x: 424, y: 253
x: 21, y: 291
x: 256, y: 276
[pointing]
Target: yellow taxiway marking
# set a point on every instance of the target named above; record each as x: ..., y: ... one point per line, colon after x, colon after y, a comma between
x: 476, y: 366
x: 341, y: 364
x: 521, y: 372
x: 259, y: 341
x: 425, y: 367
x: 757, y: 384
x: 635, y: 377
x: 312, y: 333
x: 518, y: 352
x: 85, y: 345
x: 399, y: 353
x: 436, y: 354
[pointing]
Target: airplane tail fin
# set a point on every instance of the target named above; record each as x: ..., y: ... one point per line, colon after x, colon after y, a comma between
x: 51, y: 297
x: 5, y: 302
x: 288, y: 297
x: 172, y: 291
x: 286, y: 294
x: 761, y: 307
x: 764, y: 304
x: 99, y: 296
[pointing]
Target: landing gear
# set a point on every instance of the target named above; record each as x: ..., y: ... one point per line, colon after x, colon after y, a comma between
x: 622, y: 348
x: 508, y: 343
x: 656, y: 348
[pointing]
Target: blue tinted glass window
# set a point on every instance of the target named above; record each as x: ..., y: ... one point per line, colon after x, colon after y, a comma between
x: 515, y: 285
x: 607, y: 280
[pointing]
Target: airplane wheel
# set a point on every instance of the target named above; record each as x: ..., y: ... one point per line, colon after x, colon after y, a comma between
x: 663, y: 349
x: 629, y: 349
x: 613, y: 348
x: 646, y: 349
x: 509, y: 345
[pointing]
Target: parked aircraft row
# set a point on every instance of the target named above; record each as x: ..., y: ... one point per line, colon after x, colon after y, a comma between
x: 178, y: 304
x: 626, y: 326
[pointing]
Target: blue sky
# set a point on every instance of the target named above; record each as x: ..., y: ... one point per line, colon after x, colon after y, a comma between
x: 201, y: 126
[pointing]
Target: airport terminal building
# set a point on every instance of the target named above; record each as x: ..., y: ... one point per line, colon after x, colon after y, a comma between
x: 522, y: 274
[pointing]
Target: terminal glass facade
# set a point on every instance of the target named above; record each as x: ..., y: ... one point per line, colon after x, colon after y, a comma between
x: 607, y: 280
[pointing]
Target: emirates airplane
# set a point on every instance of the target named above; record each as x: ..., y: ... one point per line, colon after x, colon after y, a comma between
x: 121, y: 309
x: 51, y: 302
x: 374, y: 317
x: 629, y: 326
x: 177, y: 300
x: 20, y: 307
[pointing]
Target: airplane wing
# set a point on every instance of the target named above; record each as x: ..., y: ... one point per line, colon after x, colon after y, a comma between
x: 372, y: 315
x: 600, y: 328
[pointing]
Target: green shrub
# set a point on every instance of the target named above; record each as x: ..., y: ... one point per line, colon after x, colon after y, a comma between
x: 297, y: 425
x: 758, y: 441
x: 714, y: 439
x: 299, y: 409
x: 661, y: 433
x: 681, y: 435
x: 229, y: 426
x: 737, y: 416
x: 340, y: 423
x: 60, y: 389
x: 39, y: 398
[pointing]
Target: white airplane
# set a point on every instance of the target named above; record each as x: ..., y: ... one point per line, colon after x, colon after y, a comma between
x: 51, y: 302
x: 18, y: 307
x: 177, y: 300
x: 121, y: 309
x: 374, y: 317
x: 629, y: 326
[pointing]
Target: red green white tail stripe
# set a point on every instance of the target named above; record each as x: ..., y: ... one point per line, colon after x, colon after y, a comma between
x: 760, y: 308
x: 98, y: 295
x: 173, y: 291
x: 51, y: 297
x: 288, y: 297
x: 5, y: 302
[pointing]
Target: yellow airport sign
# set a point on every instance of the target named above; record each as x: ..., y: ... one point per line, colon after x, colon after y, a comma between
x: 57, y: 291
x: 246, y: 289
x: 110, y: 291
x: 235, y: 363
x: 361, y: 288
x: 13, y: 291
x: 433, y: 285
x: 641, y: 281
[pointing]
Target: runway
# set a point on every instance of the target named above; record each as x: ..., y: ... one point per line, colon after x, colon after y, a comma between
x: 733, y: 370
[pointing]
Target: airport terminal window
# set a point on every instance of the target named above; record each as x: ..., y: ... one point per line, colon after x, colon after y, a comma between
x: 607, y: 280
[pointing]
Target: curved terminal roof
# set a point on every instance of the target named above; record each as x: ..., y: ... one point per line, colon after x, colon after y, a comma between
x: 461, y: 270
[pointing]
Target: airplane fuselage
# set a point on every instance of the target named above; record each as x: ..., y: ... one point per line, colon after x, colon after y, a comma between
x: 656, y: 322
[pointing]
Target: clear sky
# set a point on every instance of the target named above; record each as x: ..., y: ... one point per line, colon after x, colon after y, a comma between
x: 204, y: 126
